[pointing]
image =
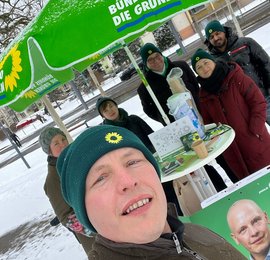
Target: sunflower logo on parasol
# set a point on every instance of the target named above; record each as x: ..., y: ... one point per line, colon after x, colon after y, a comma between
x: 11, y: 65
x: 30, y: 94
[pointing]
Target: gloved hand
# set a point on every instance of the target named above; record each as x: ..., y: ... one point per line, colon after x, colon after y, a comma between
x: 54, y: 222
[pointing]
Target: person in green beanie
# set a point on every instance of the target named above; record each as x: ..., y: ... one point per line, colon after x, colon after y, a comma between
x: 52, y: 141
x: 116, y: 192
x: 224, y: 44
x: 157, y: 67
x: 212, y: 28
x: 112, y: 115
x: 229, y: 96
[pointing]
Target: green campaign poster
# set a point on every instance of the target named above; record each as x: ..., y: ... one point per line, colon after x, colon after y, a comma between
x: 255, y: 187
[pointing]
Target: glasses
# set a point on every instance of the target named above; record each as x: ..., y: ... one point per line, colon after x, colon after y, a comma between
x: 153, y: 58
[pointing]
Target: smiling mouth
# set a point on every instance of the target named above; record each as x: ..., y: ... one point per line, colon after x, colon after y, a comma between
x: 258, y: 241
x: 136, y: 205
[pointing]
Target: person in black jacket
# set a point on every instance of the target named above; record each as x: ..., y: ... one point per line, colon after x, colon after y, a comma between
x: 15, y: 138
x: 224, y: 44
x: 113, y: 115
x: 157, y: 67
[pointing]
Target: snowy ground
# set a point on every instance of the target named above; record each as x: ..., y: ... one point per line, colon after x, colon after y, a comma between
x: 25, y: 212
x: 25, y: 209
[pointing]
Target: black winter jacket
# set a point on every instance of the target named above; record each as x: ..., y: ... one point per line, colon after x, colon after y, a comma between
x: 249, y: 55
x: 136, y: 125
x: 162, y: 91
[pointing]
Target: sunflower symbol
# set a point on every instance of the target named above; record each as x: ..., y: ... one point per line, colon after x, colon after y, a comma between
x: 113, y: 138
x: 11, y: 64
x: 30, y: 94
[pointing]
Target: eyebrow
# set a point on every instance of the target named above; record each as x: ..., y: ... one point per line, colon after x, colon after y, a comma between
x: 123, y: 156
x: 256, y: 219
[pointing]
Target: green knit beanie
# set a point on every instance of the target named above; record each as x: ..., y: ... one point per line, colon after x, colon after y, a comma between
x: 76, y: 160
x: 213, y: 26
x: 46, y: 136
x: 101, y: 100
x: 147, y: 50
x: 198, y: 55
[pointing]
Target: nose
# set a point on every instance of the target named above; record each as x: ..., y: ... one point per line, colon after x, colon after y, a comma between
x: 253, y: 231
x: 63, y: 144
x: 126, y: 181
x: 215, y: 37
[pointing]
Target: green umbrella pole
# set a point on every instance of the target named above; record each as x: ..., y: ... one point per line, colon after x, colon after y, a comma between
x: 56, y: 118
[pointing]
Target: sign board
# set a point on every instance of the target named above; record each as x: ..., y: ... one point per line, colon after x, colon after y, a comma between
x: 167, y: 139
x: 214, y: 216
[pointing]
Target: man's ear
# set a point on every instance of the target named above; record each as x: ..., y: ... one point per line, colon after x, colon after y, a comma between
x: 235, y: 238
x: 266, y: 217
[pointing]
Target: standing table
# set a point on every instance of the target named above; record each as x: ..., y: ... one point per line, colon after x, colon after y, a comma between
x: 201, y: 183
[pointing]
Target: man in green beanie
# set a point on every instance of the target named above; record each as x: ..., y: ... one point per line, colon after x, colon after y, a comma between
x: 224, y: 44
x: 113, y: 115
x: 116, y: 192
x: 157, y: 67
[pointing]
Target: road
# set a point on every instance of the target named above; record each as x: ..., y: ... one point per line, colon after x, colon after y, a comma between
x: 123, y: 91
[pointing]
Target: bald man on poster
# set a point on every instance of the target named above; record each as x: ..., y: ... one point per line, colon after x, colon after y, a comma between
x: 249, y: 226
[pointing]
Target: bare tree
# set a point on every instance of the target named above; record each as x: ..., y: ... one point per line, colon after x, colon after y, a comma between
x: 14, y: 16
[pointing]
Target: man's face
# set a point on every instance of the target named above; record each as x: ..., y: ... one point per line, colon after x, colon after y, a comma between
x: 249, y: 227
x: 155, y: 62
x: 218, y: 40
x: 124, y: 198
x: 110, y: 111
x: 58, y: 144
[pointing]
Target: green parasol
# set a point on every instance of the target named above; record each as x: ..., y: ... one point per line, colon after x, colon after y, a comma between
x: 72, y: 34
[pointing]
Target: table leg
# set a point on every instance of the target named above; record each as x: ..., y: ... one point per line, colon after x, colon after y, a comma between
x: 208, y: 185
x: 195, y: 187
x: 221, y: 172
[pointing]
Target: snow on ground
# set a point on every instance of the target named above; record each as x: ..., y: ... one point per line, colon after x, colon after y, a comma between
x: 23, y: 200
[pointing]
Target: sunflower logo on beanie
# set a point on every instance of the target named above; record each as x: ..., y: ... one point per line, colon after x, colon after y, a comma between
x: 198, y: 55
x: 213, y: 26
x: 113, y: 138
x: 147, y: 50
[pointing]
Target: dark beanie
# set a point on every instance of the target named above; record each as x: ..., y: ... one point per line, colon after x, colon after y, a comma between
x: 147, y: 50
x: 213, y: 26
x: 76, y: 160
x: 102, y: 100
x: 46, y: 136
x: 198, y: 55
